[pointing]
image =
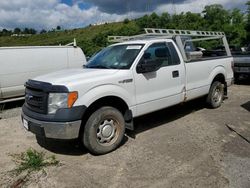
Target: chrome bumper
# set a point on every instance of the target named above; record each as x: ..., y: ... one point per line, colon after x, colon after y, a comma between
x: 55, y: 130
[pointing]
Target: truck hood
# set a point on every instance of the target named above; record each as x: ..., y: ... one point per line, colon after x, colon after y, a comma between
x: 69, y: 77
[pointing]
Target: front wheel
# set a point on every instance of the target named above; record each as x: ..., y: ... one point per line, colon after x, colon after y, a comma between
x: 216, y: 95
x: 104, y: 130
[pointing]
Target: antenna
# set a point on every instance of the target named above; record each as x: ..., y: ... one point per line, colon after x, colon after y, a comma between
x: 148, y: 6
x: 174, y: 7
x: 128, y: 9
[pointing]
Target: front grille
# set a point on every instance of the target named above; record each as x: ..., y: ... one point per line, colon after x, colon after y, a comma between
x: 36, y: 100
x: 242, y: 64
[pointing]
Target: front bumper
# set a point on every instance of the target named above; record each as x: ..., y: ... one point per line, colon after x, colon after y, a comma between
x: 55, y: 130
x: 242, y: 70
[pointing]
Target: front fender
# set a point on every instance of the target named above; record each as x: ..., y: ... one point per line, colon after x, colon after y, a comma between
x: 103, y: 91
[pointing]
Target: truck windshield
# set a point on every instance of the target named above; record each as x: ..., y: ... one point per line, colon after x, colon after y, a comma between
x: 115, y: 57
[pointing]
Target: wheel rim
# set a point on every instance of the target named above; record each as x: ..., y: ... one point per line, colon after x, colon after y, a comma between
x: 107, y: 132
x: 218, y: 94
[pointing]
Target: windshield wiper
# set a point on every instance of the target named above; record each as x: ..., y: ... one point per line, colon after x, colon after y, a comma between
x: 97, y: 67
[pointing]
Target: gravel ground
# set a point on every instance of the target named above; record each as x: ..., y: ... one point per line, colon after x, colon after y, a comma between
x: 183, y: 146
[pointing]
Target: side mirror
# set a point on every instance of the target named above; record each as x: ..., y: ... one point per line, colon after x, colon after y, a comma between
x: 146, y: 66
x: 88, y: 58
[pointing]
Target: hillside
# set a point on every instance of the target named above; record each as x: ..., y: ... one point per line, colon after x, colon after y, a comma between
x: 90, y: 39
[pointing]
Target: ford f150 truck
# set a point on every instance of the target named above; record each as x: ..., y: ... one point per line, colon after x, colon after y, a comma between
x: 138, y: 75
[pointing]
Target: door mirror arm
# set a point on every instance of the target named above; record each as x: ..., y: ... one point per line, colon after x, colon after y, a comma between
x: 146, y: 66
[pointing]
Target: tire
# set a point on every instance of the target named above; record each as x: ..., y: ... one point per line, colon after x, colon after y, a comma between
x: 104, y: 130
x: 216, y: 95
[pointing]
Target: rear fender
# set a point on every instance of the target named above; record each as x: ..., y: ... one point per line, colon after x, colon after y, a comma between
x: 216, y: 71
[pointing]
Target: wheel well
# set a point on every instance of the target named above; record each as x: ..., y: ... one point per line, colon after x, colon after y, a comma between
x: 221, y: 78
x: 112, y: 101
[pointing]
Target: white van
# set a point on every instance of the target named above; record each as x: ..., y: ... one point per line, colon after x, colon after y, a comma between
x: 18, y: 64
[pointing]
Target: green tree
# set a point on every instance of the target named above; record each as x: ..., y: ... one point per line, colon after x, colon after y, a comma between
x: 26, y: 31
x: 43, y: 31
x: 235, y: 31
x: 126, y: 21
x: 32, y: 31
x: 143, y: 22
x: 6, y: 32
x: 165, y: 20
x: 248, y: 21
x: 154, y: 20
x: 216, y: 17
x: 17, y: 30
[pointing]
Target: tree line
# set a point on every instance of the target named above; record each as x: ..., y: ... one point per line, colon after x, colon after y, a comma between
x: 235, y: 24
x: 32, y: 31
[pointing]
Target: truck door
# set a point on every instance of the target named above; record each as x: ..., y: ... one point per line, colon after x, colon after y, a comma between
x: 164, y: 87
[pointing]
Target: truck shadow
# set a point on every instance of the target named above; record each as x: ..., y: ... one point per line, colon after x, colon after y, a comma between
x: 11, y: 105
x: 8, y: 110
x: 142, y: 124
x: 66, y: 147
x: 164, y: 116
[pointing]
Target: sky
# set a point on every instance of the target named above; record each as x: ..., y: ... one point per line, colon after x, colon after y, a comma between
x: 48, y: 14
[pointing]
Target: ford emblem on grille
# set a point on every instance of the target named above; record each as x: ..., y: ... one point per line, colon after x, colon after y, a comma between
x: 29, y: 97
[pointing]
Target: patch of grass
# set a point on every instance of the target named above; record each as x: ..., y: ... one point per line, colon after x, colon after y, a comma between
x: 32, y: 160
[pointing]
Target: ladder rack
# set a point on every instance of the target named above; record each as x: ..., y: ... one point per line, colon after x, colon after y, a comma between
x: 114, y: 39
x: 173, y: 32
x: 181, y: 37
x: 166, y: 33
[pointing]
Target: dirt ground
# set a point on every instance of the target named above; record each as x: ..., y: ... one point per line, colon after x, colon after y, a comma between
x: 183, y: 146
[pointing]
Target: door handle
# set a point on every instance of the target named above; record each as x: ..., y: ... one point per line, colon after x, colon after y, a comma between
x: 175, y: 74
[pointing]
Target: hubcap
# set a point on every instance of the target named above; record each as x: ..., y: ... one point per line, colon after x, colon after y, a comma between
x: 106, y: 131
x: 217, y: 94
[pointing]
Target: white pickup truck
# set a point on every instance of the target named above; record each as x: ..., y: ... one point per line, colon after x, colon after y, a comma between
x: 139, y: 75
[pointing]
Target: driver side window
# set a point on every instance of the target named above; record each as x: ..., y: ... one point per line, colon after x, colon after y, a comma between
x: 159, y: 53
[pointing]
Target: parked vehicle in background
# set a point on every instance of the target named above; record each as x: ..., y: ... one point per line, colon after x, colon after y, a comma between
x: 241, y: 64
x: 18, y: 64
x: 139, y: 75
x: 241, y: 59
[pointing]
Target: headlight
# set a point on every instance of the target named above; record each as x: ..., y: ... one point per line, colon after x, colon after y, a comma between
x: 61, y: 100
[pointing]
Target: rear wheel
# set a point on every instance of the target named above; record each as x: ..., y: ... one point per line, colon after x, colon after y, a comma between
x: 216, y: 95
x: 104, y: 130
